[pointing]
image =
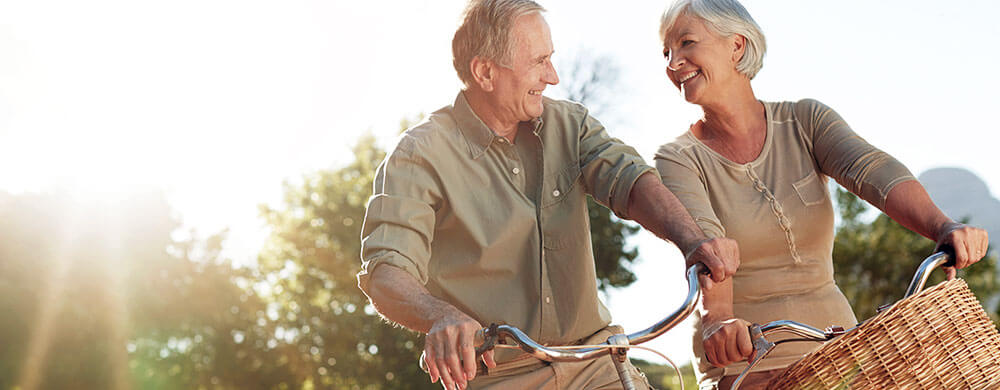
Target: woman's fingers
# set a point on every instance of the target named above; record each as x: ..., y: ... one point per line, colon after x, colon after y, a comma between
x: 727, y: 342
x: 970, y: 243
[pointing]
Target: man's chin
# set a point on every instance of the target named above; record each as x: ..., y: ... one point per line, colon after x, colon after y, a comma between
x: 536, y: 112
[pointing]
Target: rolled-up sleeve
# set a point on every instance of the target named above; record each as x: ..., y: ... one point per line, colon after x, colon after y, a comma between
x: 400, y: 217
x: 609, y: 167
x: 686, y: 184
x: 843, y: 155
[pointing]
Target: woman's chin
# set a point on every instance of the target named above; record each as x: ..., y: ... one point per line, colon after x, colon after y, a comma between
x: 690, y: 95
x: 692, y: 98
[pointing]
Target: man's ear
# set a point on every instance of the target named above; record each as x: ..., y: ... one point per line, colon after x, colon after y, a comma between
x: 739, y: 47
x: 482, y: 73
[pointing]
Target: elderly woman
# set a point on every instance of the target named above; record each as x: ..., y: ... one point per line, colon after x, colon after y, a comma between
x: 756, y: 172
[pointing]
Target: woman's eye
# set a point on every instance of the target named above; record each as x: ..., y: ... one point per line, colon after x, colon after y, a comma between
x: 686, y: 42
x: 666, y: 54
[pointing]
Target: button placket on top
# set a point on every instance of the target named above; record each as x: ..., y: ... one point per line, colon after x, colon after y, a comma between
x: 549, y: 321
x: 782, y: 219
x: 513, y: 163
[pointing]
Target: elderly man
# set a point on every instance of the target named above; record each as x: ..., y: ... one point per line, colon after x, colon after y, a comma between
x: 479, y: 214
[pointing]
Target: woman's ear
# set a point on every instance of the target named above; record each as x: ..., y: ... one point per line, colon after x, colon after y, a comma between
x: 482, y: 73
x: 739, y: 45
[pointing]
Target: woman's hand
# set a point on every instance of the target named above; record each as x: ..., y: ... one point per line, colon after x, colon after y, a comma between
x: 970, y: 244
x: 726, y: 341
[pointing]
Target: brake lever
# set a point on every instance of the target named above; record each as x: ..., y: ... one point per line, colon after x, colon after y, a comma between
x: 761, y: 347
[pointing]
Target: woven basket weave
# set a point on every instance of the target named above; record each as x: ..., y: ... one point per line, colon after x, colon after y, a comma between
x: 940, y: 338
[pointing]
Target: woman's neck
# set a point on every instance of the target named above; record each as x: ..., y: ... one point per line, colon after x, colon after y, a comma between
x: 736, y: 127
x: 738, y: 115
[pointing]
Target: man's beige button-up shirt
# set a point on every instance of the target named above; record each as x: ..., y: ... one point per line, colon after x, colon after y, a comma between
x: 454, y: 207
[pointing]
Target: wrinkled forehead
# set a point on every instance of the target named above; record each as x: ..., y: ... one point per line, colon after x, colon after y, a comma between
x: 531, y: 36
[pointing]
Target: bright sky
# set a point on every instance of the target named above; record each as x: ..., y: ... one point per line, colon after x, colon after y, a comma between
x: 218, y: 101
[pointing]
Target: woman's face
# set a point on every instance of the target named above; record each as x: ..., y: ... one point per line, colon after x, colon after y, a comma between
x: 701, y: 63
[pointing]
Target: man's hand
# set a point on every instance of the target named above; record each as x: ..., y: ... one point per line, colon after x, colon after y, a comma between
x: 720, y: 255
x: 726, y: 341
x: 449, y: 352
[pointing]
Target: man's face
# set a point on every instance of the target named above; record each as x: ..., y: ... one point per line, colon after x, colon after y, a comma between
x: 518, y: 89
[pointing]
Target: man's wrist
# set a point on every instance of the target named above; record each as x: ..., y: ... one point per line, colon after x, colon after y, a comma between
x: 692, y: 247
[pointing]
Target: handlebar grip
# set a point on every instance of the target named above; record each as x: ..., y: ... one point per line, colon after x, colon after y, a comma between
x: 702, y: 269
x: 950, y: 251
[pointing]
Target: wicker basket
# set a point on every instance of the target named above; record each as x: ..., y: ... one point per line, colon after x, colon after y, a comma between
x: 940, y: 338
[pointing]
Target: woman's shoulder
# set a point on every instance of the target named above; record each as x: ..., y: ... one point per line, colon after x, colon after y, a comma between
x: 801, y: 110
x: 681, y: 147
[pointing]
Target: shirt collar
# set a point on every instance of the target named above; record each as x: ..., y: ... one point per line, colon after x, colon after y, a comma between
x: 476, y: 133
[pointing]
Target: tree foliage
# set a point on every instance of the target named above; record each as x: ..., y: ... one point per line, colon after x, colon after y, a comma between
x: 98, y: 294
x: 875, y: 260
x: 333, y: 335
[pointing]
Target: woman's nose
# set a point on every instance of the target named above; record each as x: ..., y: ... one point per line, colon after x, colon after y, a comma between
x: 674, y: 62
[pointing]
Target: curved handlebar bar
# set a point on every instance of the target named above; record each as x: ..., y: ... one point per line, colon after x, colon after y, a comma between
x: 542, y: 352
x: 486, y: 337
x: 803, y: 331
x: 944, y: 258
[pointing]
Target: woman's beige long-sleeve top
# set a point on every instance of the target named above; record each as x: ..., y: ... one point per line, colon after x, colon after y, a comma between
x: 778, y: 209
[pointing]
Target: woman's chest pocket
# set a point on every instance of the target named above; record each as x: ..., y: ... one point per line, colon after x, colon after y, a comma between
x: 811, y: 189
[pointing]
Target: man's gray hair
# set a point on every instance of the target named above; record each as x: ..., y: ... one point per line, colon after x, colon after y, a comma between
x: 485, y: 32
x: 725, y: 17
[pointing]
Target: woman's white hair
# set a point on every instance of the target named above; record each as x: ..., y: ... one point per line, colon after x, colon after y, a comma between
x: 485, y: 32
x: 725, y: 17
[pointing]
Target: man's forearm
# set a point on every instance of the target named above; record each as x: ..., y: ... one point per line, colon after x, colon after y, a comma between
x: 654, y: 207
x: 401, y: 299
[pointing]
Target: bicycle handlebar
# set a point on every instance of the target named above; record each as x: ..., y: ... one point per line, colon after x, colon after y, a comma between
x: 944, y: 258
x: 495, y: 333
x: 542, y: 352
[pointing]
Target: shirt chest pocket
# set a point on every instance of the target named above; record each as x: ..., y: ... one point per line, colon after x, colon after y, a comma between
x: 811, y: 189
x: 564, y: 218
x: 562, y: 186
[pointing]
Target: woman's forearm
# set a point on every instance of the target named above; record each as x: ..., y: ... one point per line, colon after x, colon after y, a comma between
x: 909, y: 204
x: 717, y: 302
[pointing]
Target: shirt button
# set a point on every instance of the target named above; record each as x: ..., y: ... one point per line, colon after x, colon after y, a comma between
x: 516, y: 170
x: 555, y: 193
x: 548, y: 299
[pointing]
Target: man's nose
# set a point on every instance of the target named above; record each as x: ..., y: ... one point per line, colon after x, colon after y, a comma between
x: 550, y: 74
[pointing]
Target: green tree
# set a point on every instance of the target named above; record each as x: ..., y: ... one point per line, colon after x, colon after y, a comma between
x: 874, y: 260
x: 97, y: 294
x: 333, y: 336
